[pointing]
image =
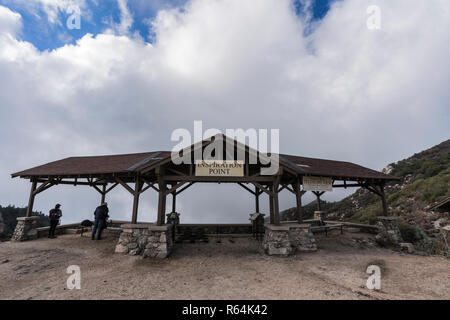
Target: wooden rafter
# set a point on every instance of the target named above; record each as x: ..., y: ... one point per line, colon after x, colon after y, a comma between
x: 123, y: 184
x: 247, y: 188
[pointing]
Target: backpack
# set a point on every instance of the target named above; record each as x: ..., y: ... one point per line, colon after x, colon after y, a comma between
x: 52, y: 214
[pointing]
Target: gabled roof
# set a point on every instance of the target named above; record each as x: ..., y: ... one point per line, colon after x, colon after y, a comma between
x: 126, y: 163
x: 331, y: 168
x: 94, y: 164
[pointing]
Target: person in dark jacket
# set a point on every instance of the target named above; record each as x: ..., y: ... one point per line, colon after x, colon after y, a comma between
x: 101, y: 214
x: 55, y: 214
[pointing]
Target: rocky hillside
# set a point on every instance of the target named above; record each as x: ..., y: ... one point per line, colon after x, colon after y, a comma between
x: 425, y: 182
x: 8, y: 220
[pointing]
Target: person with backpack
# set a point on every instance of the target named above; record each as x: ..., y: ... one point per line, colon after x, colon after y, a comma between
x: 54, y: 214
x: 100, y: 214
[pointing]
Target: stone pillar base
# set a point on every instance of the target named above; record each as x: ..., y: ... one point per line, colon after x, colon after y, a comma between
x: 388, y: 231
x: 286, y: 239
x: 302, y: 237
x: 133, y: 239
x: 25, y: 229
x: 145, y: 239
x: 160, y: 242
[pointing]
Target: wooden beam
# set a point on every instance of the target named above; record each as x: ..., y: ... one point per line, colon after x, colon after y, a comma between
x: 177, y: 172
x: 143, y: 189
x: 151, y: 184
x: 137, y: 192
x: 276, y: 205
x: 74, y: 183
x: 268, y: 191
x: 272, y: 219
x: 298, y: 194
x: 123, y: 184
x: 383, y: 201
x: 256, y: 193
x: 97, y: 188
x: 103, y: 194
x: 217, y: 179
x: 286, y: 186
x: 112, y: 187
x: 31, y: 198
x: 318, y: 194
x: 372, y: 189
x: 345, y: 185
x: 161, y: 198
x: 175, y: 187
x: 174, y: 201
x: 247, y: 188
x: 184, y: 188
x: 43, y: 187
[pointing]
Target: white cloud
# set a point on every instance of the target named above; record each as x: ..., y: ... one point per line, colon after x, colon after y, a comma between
x: 51, y: 8
x: 126, y: 21
x: 342, y: 92
x: 10, y: 22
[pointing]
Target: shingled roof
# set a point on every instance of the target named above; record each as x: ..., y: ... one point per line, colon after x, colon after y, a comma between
x: 94, y: 164
x: 125, y: 163
x: 331, y: 168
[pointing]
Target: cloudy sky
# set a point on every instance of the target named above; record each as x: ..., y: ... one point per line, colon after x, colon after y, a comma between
x: 136, y: 70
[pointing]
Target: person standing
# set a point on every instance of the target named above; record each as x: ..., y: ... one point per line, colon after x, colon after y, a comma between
x: 55, y: 214
x: 100, y: 214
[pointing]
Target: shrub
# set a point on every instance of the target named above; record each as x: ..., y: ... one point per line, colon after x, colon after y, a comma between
x: 429, y: 245
x: 410, y: 233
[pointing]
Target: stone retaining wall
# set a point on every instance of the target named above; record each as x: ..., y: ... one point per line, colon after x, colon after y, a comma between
x: 216, y: 228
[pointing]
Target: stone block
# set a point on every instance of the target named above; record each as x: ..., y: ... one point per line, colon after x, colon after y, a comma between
x: 286, y: 239
x: 25, y: 229
x: 134, y: 252
x: 407, y: 247
x: 121, y: 249
x: 388, y: 232
x: 146, y: 239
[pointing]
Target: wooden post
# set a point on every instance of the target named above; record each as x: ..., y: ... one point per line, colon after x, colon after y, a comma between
x: 137, y: 192
x: 272, y: 217
x: 379, y: 191
x: 383, y: 201
x: 174, y: 201
x: 103, y: 194
x: 161, y: 198
x: 298, y: 195
x: 318, y: 202
x: 276, y: 205
x: 318, y: 194
x: 31, y: 199
x: 256, y: 199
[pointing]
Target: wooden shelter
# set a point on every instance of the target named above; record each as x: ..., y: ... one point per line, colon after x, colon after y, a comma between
x: 141, y: 171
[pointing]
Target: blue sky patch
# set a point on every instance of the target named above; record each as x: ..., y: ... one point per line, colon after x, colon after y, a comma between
x: 100, y: 15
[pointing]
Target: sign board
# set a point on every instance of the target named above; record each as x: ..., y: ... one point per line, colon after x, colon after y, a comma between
x: 219, y: 168
x: 317, y: 184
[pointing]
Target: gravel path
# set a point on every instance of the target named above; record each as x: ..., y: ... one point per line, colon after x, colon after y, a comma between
x: 232, y: 269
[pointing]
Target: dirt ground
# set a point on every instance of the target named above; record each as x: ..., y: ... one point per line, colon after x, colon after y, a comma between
x: 231, y: 269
